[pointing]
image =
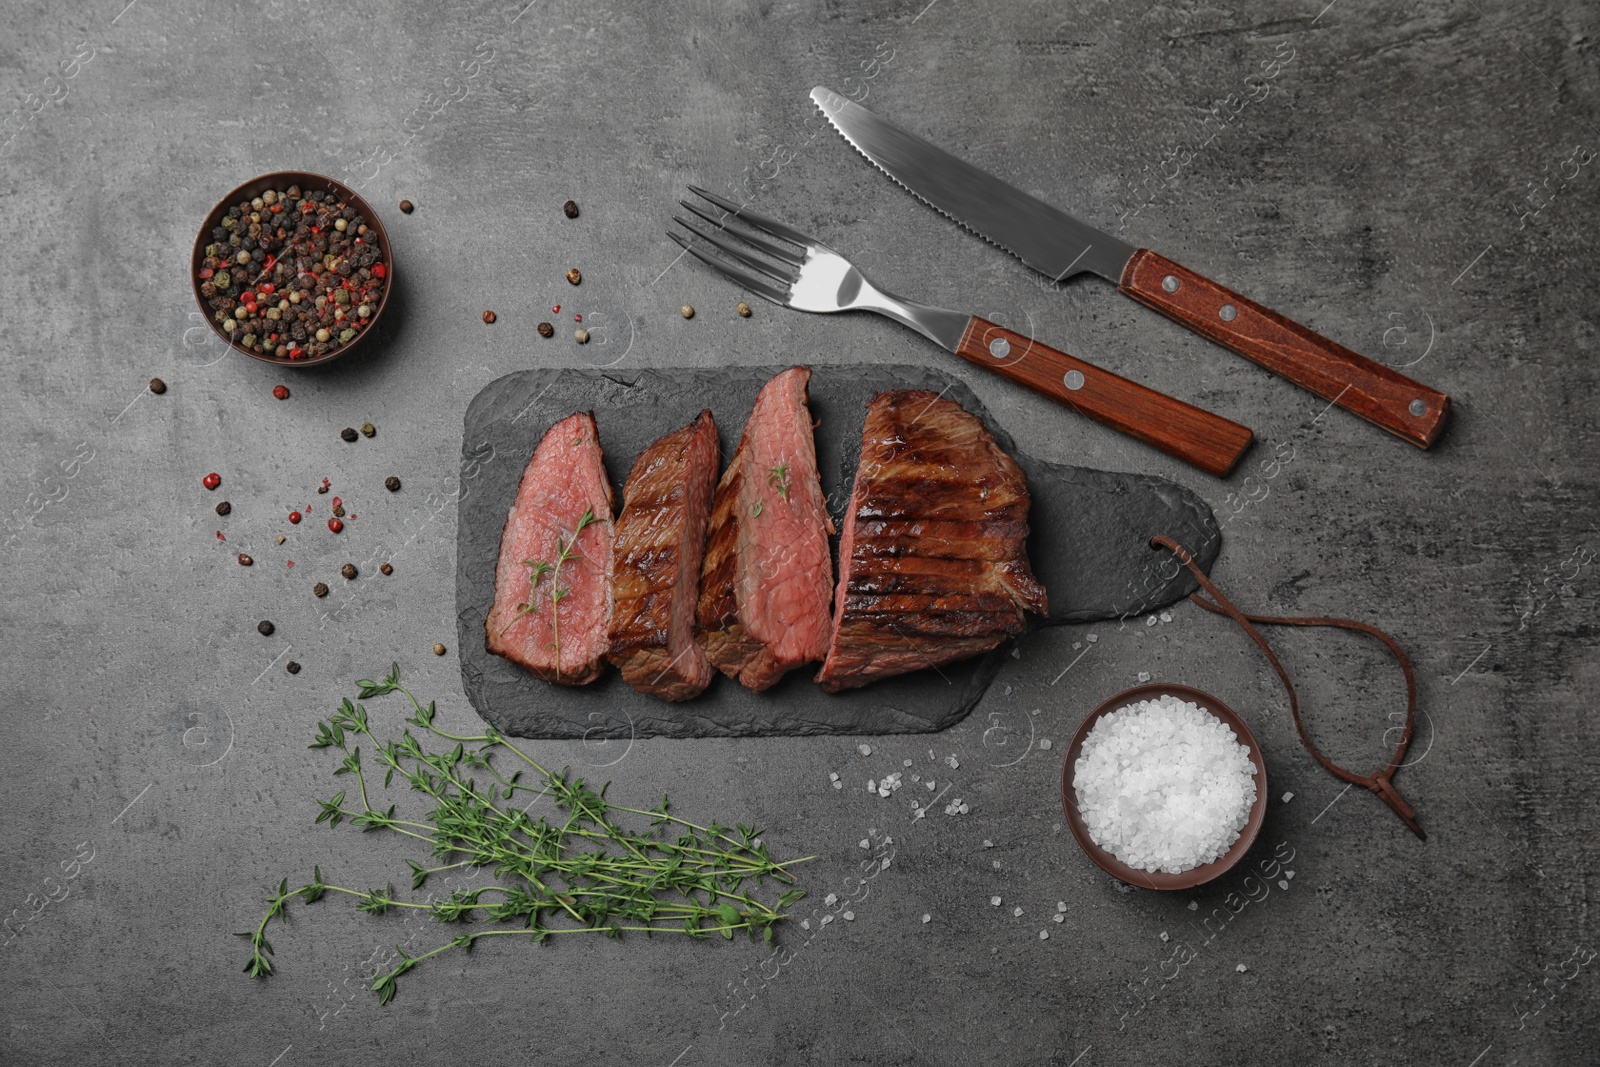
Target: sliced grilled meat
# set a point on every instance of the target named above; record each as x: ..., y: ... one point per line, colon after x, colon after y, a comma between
x: 767, y: 576
x: 542, y: 551
x: 932, y: 562
x: 661, y: 538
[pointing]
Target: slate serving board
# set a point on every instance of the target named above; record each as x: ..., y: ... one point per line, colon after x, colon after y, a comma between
x: 1088, y: 546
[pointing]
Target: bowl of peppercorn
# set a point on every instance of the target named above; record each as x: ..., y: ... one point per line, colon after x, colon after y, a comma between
x: 292, y: 268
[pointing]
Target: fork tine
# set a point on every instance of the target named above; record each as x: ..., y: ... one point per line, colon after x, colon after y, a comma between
x: 777, y: 274
x: 776, y: 251
x: 759, y: 286
x: 760, y: 222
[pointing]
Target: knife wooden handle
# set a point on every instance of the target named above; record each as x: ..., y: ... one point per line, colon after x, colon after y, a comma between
x: 1409, y: 410
x: 1192, y: 434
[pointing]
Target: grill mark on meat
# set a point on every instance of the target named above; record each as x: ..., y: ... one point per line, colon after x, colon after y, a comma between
x: 659, y: 544
x: 766, y: 581
x: 565, y: 478
x: 932, y: 560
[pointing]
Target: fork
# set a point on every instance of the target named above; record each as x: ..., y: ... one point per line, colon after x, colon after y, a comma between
x: 819, y: 279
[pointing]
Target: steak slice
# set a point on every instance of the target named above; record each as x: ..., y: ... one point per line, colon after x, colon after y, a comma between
x: 932, y: 561
x: 767, y: 576
x: 560, y: 637
x: 660, y: 540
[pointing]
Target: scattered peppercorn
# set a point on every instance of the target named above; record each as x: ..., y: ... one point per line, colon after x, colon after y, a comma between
x: 581, y: 335
x: 292, y: 667
x: 244, y: 560
x: 743, y: 309
x: 265, y: 628
x: 686, y: 311
x: 335, y: 525
x: 349, y: 571
x: 338, y: 511
x: 392, y: 484
x: 157, y: 386
x: 294, y: 518
x: 319, y: 590
x: 570, y: 209
x: 545, y: 329
x: 385, y: 569
x: 368, y: 430
x: 279, y: 538
x: 407, y: 206
x: 212, y: 480
x: 224, y: 507
x: 438, y: 650
x: 281, y: 392
x: 323, y: 488
x: 489, y: 316
x: 574, y: 275
x: 348, y: 433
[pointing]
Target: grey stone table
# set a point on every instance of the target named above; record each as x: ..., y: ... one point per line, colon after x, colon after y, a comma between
x: 1417, y: 181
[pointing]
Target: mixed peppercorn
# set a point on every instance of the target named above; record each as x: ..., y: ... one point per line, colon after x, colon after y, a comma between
x: 293, y: 275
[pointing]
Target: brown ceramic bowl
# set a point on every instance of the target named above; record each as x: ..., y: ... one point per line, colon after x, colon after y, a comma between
x: 282, y: 180
x: 1195, y: 876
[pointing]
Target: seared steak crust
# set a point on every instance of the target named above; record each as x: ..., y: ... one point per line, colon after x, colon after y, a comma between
x: 660, y: 540
x: 932, y: 562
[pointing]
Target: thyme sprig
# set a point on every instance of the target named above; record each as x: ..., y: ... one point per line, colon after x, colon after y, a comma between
x: 579, y: 871
x: 566, y: 548
x: 778, y: 478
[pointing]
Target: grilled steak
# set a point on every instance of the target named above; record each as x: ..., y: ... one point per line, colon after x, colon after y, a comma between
x: 552, y: 586
x: 932, y: 564
x: 661, y: 537
x: 767, y: 575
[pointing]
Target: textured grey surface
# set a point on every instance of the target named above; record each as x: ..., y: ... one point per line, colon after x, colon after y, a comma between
x: 1090, y: 552
x: 1415, y: 180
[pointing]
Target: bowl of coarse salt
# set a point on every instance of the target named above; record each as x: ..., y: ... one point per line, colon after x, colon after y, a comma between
x: 1164, y: 787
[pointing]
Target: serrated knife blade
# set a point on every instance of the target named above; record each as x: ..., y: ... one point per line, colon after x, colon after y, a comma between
x: 1059, y: 246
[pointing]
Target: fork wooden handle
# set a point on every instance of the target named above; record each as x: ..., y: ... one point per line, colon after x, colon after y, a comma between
x: 1210, y: 442
x: 1408, y: 409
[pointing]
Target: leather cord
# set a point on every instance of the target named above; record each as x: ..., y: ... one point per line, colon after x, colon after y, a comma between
x: 1381, y: 783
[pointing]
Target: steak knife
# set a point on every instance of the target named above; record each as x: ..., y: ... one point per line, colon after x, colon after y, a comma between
x: 1060, y: 246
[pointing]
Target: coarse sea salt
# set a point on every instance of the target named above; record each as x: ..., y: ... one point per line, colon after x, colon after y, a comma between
x: 1164, y: 785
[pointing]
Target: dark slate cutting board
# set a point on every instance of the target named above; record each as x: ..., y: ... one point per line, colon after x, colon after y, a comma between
x: 1088, y: 546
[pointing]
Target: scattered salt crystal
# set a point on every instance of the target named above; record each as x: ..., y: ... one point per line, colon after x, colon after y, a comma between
x: 849, y: 916
x: 1164, y: 785
x: 1016, y: 912
x: 930, y: 784
x: 1288, y: 797
x: 1092, y: 638
x: 1166, y: 616
x: 995, y: 901
x: 1241, y: 968
x: 1044, y: 935
x: 1061, y: 905
x: 987, y: 843
x: 905, y: 763
x: 1044, y: 745
x: 964, y: 807
x: 1057, y: 917
x: 1008, y: 691
x: 952, y: 761
x: 838, y: 785
x: 997, y: 865
x: 805, y: 924
x: 831, y: 899
x: 865, y: 750
x: 884, y: 864
x: 833, y: 776
x: 1056, y: 827
x: 1194, y: 905
x: 1076, y: 645
x: 1016, y: 653
x: 1144, y: 676
x: 865, y: 843
x: 1283, y: 883
x: 1150, y: 620
x: 1164, y: 936
x: 1288, y: 874
x: 927, y: 918
x: 826, y: 919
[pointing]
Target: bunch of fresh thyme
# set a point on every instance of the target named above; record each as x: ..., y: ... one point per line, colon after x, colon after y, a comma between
x: 583, y: 872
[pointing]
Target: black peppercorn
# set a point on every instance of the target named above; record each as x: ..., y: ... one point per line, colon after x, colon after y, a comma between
x: 392, y: 484
x: 157, y: 386
x: 570, y: 209
x: 545, y: 329
x: 348, y: 433
x: 292, y: 667
x: 319, y: 590
x: 575, y: 276
x: 338, y: 511
x: 244, y: 560
x: 489, y: 316
x: 265, y: 628
x: 385, y: 568
x: 407, y: 206
x: 349, y: 571
x: 224, y: 507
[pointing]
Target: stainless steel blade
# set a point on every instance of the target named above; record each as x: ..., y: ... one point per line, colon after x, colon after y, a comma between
x: 1044, y: 237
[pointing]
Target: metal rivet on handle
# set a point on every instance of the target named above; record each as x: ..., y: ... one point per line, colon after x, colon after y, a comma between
x: 1419, y: 407
x: 1073, y: 379
x: 999, y: 348
x: 1228, y: 312
x: 1170, y: 283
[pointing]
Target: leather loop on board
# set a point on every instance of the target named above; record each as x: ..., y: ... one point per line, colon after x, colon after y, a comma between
x: 1381, y: 783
